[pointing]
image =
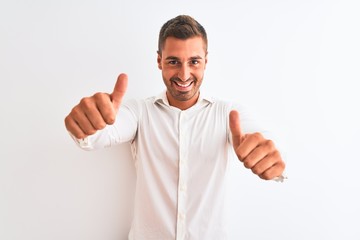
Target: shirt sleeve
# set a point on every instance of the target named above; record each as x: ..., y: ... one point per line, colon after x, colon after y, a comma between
x: 123, y: 130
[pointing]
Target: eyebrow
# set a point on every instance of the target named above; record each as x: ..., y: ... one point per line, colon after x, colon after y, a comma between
x: 191, y: 58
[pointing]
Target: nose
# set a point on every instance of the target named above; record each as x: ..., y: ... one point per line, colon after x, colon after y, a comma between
x: 184, y: 73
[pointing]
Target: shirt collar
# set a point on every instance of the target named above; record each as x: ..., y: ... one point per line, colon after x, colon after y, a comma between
x: 161, y: 97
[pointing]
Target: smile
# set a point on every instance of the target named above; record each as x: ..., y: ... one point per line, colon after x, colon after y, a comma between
x: 183, y: 87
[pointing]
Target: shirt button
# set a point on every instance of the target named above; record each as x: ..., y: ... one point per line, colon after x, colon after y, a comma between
x: 183, y: 187
x: 182, y: 162
x: 181, y: 216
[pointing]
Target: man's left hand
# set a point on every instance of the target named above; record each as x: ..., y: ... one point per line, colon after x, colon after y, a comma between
x: 255, y: 152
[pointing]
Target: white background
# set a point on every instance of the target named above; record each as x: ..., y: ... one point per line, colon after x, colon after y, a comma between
x: 295, y: 64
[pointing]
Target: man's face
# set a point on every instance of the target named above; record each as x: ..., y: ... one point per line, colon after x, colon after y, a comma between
x: 183, y: 63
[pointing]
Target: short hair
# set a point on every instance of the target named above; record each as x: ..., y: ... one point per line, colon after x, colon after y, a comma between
x: 182, y: 27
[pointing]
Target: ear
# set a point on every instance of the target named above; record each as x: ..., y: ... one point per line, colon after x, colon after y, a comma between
x: 206, y: 59
x: 159, y: 60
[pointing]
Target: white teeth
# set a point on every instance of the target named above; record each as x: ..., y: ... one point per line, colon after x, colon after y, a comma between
x: 182, y: 85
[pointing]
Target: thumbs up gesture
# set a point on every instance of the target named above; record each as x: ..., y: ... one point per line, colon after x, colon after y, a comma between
x: 256, y: 152
x: 95, y: 112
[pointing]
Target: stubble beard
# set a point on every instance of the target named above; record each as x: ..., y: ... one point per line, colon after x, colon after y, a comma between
x: 179, y: 95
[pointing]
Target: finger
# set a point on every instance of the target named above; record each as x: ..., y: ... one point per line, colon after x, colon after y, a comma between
x: 103, y: 113
x: 87, y: 113
x: 234, y: 122
x: 255, y: 156
x: 74, y: 128
x: 249, y: 143
x: 274, y: 171
x: 80, y: 124
x: 263, y: 149
x: 119, y: 90
x: 265, y: 163
x: 96, y: 119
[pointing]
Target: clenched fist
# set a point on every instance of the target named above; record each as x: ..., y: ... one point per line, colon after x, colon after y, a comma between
x: 95, y: 112
x: 256, y: 152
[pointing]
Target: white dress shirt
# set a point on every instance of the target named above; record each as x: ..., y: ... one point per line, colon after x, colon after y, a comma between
x: 181, y: 160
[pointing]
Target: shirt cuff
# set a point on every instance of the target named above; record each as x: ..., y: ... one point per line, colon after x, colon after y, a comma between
x: 280, y: 178
x: 83, y: 143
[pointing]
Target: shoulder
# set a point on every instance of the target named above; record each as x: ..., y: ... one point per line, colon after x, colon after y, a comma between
x: 138, y: 106
x: 132, y: 103
x: 227, y: 105
x: 248, y: 120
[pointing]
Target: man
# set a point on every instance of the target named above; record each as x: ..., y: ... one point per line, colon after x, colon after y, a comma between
x: 180, y: 141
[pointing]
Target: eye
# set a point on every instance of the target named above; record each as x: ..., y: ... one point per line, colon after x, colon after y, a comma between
x: 173, y: 62
x: 195, y: 62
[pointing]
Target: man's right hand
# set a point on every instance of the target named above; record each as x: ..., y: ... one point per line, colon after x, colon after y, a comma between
x: 95, y: 112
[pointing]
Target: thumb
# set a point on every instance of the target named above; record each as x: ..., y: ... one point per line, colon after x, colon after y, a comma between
x: 119, y: 90
x: 234, y: 122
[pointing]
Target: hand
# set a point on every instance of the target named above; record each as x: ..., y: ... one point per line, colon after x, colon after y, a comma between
x: 95, y: 112
x: 256, y: 152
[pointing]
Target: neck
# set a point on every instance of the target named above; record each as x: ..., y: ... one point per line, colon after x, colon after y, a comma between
x: 183, y: 105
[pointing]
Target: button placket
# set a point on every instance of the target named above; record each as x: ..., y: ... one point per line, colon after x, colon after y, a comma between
x: 181, y: 207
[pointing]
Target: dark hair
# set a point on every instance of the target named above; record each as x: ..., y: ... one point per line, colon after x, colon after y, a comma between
x: 182, y: 27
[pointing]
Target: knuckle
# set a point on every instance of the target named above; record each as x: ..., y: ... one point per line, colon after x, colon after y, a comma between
x: 89, y: 131
x: 280, y: 165
x: 86, y: 102
x: 67, y: 122
x: 276, y: 155
x: 99, y: 125
x: 75, y: 112
x: 71, y: 126
x: 266, y: 176
x: 240, y: 156
x: 110, y: 119
x: 248, y: 164
x: 258, y: 135
x: 98, y: 95
x: 101, y: 97
x: 87, y: 128
x: 269, y: 143
x: 256, y: 171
